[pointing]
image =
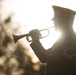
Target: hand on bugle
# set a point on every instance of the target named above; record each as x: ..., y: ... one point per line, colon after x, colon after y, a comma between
x: 35, y: 34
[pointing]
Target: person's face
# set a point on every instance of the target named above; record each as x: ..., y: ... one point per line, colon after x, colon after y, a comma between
x: 56, y: 22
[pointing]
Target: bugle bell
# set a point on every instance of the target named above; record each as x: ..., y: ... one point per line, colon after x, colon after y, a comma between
x: 17, y: 37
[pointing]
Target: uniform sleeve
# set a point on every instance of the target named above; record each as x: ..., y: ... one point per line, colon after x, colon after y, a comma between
x: 39, y: 50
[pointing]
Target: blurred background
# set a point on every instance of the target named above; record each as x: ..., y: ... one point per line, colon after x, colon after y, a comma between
x: 19, y: 17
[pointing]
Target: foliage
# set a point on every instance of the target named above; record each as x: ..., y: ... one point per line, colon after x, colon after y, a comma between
x: 14, y: 58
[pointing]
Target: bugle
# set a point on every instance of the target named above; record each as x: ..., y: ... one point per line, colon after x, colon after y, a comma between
x: 17, y: 37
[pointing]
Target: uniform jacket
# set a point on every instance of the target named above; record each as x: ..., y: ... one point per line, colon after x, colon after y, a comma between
x: 61, y: 58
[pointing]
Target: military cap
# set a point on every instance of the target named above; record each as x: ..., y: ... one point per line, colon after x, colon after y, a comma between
x: 63, y: 11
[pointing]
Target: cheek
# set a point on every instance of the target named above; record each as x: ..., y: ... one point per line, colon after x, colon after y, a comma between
x: 56, y: 23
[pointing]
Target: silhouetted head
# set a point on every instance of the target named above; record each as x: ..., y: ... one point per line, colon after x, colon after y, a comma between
x: 63, y: 17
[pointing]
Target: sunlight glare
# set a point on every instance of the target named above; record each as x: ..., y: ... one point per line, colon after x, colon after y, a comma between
x: 36, y: 14
x: 51, y: 39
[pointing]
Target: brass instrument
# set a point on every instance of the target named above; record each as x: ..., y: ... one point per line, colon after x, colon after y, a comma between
x: 17, y: 37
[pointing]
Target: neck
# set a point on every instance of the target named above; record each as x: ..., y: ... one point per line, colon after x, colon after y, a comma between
x: 67, y: 32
